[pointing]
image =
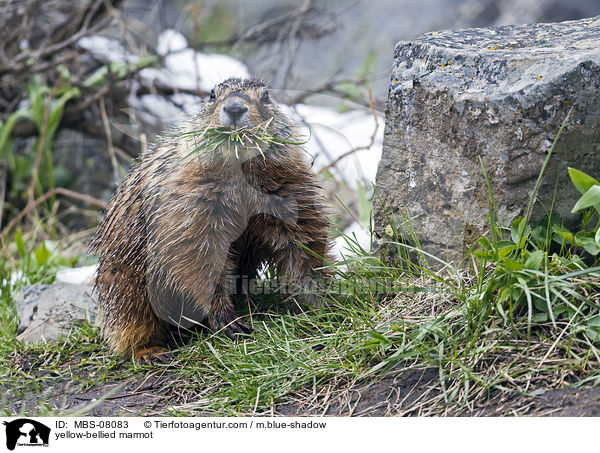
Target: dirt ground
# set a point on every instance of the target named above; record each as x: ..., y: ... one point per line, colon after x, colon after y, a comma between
x: 407, y: 394
x: 410, y: 394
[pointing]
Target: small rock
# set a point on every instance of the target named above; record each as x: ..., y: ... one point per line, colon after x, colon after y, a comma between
x: 49, y: 311
x: 538, y: 392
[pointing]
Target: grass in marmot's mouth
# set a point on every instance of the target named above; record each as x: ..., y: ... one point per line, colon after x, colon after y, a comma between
x: 209, y: 139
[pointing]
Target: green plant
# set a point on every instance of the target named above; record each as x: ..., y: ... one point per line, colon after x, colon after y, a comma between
x: 39, y: 263
x: 45, y: 110
x: 590, y: 198
x: 116, y: 70
x: 526, y: 276
x: 531, y: 292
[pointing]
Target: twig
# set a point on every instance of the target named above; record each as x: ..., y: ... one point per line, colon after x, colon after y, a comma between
x: 158, y: 87
x: 28, y: 59
x: 75, y: 112
x: 52, y: 64
x: 259, y: 30
x: 358, y: 148
x: 289, y: 56
x: 2, y: 187
x: 143, y: 143
x: 69, y: 25
x: 51, y: 193
x: 327, y: 86
x: 109, y: 141
x: 125, y: 145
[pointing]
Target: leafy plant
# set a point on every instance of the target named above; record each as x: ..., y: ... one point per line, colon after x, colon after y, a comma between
x: 590, y: 198
x: 38, y: 263
x: 25, y: 262
x: 45, y: 109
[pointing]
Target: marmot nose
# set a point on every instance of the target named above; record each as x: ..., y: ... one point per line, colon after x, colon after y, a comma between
x: 235, y: 110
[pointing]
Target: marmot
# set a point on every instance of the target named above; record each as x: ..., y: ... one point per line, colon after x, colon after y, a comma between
x: 187, y: 220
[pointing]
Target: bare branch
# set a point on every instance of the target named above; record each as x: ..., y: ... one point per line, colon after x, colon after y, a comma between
x: 109, y: 141
x: 357, y: 148
x: 30, y: 58
x: 3, y: 174
x: 51, y: 193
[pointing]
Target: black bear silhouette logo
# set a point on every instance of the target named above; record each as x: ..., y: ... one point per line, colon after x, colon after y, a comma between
x: 29, y: 432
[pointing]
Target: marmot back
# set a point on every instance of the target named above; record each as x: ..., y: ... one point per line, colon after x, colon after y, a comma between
x: 197, y: 212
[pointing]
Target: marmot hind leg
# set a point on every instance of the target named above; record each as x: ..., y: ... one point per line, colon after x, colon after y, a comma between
x: 145, y: 343
x: 125, y: 315
x: 143, y: 337
x: 149, y: 355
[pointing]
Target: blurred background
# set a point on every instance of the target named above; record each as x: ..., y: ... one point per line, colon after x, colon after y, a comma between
x: 302, y: 45
x: 86, y: 86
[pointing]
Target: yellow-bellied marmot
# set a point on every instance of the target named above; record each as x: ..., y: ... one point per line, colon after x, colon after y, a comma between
x: 200, y: 209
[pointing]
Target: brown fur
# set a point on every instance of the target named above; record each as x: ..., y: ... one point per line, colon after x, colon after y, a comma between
x: 178, y: 229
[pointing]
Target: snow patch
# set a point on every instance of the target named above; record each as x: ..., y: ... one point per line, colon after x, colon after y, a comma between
x: 77, y: 275
x: 106, y: 49
x: 333, y: 134
x: 159, y: 108
x: 190, y: 70
x: 14, y: 278
x: 186, y: 69
x: 356, y: 234
x: 170, y: 41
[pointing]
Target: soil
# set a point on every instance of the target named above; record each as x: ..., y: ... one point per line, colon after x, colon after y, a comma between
x: 408, y: 394
x: 143, y: 396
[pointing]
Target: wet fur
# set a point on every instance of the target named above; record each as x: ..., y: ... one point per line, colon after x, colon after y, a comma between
x: 178, y: 229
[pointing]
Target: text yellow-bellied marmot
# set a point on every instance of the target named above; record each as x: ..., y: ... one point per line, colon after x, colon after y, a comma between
x: 200, y: 209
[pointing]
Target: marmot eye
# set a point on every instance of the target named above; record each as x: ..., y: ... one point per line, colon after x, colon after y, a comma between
x: 213, y: 96
x: 265, y: 97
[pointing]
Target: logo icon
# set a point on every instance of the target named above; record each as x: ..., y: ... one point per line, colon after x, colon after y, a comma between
x: 26, y: 432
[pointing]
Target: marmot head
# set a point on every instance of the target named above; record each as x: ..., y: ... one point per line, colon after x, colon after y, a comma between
x: 237, y: 103
x: 246, y: 105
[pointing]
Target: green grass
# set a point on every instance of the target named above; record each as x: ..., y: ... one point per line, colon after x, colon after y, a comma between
x: 377, y: 320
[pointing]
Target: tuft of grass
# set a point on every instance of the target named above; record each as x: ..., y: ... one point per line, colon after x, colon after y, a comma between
x: 212, y: 138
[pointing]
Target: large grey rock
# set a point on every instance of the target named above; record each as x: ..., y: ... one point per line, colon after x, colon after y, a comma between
x: 500, y: 94
x: 49, y: 311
